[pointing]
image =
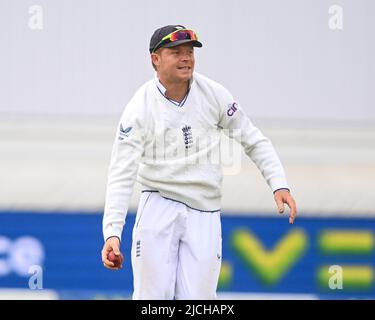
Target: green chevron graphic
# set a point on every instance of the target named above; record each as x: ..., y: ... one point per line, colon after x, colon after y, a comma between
x: 270, y: 266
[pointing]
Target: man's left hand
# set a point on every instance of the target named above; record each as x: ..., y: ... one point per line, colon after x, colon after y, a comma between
x: 283, y: 196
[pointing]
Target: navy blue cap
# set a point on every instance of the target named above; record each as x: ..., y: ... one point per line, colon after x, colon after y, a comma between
x: 156, y: 39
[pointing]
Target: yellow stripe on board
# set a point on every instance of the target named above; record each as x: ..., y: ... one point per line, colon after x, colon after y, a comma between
x: 350, y: 241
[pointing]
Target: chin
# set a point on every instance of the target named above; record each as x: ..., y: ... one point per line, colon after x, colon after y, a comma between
x: 186, y: 76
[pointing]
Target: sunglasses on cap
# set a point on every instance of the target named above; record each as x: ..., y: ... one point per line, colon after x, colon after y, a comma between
x: 182, y: 34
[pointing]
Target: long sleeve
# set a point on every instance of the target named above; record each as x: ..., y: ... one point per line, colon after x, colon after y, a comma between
x: 126, y: 154
x: 258, y: 148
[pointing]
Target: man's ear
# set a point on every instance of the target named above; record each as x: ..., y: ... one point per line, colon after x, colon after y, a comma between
x: 155, y: 59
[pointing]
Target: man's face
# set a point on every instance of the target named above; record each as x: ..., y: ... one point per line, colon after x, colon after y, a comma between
x: 175, y: 64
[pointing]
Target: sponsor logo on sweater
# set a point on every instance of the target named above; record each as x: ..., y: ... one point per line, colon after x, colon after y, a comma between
x: 232, y: 108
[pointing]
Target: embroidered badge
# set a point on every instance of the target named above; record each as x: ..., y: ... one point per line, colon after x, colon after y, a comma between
x: 188, y: 136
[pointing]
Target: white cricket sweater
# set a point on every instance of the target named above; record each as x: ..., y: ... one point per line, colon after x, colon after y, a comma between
x: 175, y: 148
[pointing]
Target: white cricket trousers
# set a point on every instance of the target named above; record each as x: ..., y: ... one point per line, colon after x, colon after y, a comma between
x: 176, y: 250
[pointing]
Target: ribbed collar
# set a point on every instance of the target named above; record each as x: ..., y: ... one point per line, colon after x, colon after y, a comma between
x: 162, y: 88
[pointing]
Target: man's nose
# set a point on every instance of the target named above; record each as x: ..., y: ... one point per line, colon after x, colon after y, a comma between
x: 186, y: 57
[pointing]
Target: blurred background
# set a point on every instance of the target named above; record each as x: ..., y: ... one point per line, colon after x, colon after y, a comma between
x: 304, y: 71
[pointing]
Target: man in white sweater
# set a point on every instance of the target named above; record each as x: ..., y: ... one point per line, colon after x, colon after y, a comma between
x: 169, y: 137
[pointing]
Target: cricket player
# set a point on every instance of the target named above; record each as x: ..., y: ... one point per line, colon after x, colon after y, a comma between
x: 167, y: 135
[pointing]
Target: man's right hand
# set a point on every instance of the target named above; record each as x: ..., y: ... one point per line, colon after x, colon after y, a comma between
x: 112, y: 244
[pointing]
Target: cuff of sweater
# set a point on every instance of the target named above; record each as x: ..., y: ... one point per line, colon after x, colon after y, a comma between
x: 278, y: 183
x: 112, y: 231
x: 286, y: 189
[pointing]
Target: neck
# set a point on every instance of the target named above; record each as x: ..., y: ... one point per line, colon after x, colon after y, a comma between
x: 175, y: 90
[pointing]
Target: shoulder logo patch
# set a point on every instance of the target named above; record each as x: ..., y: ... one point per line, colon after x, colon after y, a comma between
x: 124, y: 132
